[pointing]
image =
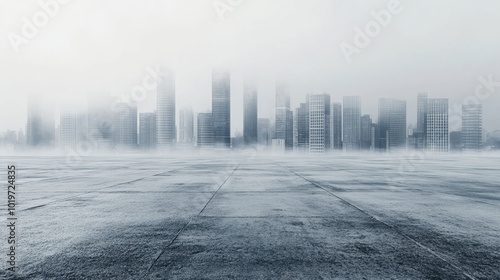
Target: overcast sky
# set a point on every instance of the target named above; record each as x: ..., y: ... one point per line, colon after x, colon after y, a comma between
x: 88, y: 47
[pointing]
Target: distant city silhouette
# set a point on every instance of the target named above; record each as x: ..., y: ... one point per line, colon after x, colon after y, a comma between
x: 317, y: 126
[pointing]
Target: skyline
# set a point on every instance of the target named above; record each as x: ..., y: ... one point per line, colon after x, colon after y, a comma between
x: 316, y: 126
x: 70, y: 57
x: 137, y: 98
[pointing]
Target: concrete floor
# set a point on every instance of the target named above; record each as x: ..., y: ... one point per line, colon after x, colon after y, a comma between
x: 246, y: 217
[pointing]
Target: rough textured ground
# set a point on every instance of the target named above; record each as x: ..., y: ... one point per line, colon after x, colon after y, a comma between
x: 247, y: 217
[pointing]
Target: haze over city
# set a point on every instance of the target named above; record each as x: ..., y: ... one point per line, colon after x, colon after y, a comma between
x: 89, y: 47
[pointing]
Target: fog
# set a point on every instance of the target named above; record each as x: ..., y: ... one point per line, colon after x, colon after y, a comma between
x: 96, y: 47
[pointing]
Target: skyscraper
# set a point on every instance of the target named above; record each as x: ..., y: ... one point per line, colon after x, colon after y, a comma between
x: 336, y: 123
x: 366, y: 132
x: 352, y: 123
x: 319, y: 123
x: 40, y: 130
x: 186, y: 126
x: 221, y: 108
x: 392, y: 123
x: 165, y: 111
x: 205, y: 132
x: 437, y: 125
x: 100, y: 120
x: 284, y: 116
x: 455, y: 141
x: 250, y: 113
x: 264, y: 132
x: 72, y: 129
x: 301, y: 127
x: 472, y: 127
x: 147, y: 131
x: 125, y: 126
x: 420, y: 136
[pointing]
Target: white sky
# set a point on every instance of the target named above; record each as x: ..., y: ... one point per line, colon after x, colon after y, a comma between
x: 439, y: 47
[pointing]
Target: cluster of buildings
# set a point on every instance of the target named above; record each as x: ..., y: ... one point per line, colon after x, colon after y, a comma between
x: 316, y: 126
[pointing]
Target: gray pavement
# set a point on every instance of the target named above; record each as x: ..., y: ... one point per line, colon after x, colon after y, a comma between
x: 241, y: 217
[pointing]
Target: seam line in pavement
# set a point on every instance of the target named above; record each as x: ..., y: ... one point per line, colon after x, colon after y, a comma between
x: 92, y: 191
x: 394, y: 229
x: 189, y: 222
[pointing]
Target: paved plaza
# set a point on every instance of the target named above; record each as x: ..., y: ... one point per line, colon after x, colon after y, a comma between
x: 256, y: 217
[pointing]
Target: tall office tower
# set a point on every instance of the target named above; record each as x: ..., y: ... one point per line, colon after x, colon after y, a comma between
x: 392, y: 124
x: 165, y: 108
x: 301, y: 127
x: 421, y: 121
x: 319, y: 123
x: 221, y: 108
x: 456, y: 141
x: 205, y: 133
x: 125, y: 126
x: 250, y: 113
x: 366, y: 132
x: 284, y: 116
x: 472, y: 127
x: 289, y: 130
x: 437, y: 125
x: 147, y: 131
x: 264, y: 132
x: 72, y: 129
x: 40, y: 128
x: 352, y: 123
x: 336, y: 123
x: 375, y: 136
x: 100, y: 120
x: 186, y: 126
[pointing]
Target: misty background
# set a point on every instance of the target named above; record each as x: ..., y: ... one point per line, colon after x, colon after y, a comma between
x: 104, y: 47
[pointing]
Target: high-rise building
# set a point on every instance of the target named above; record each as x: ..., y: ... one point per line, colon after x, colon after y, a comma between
x: 125, y: 126
x: 336, y: 123
x: 250, y: 113
x: 392, y: 124
x: 221, y: 108
x: 147, y: 131
x: 472, y: 127
x: 419, y: 134
x: 186, y: 126
x: 366, y: 132
x: 165, y: 110
x: 352, y: 123
x: 437, y: 137
x: 72, y: 129
x: 284, y: 116
x: 205, y: 135
x: 375, y: 136
x: 301, y: 127
x: 319, y: 123
x: 40, y: 128
x: 455, y: 141
x: 289, y: 131
x: 264, y: 132
x: 100, y: 120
